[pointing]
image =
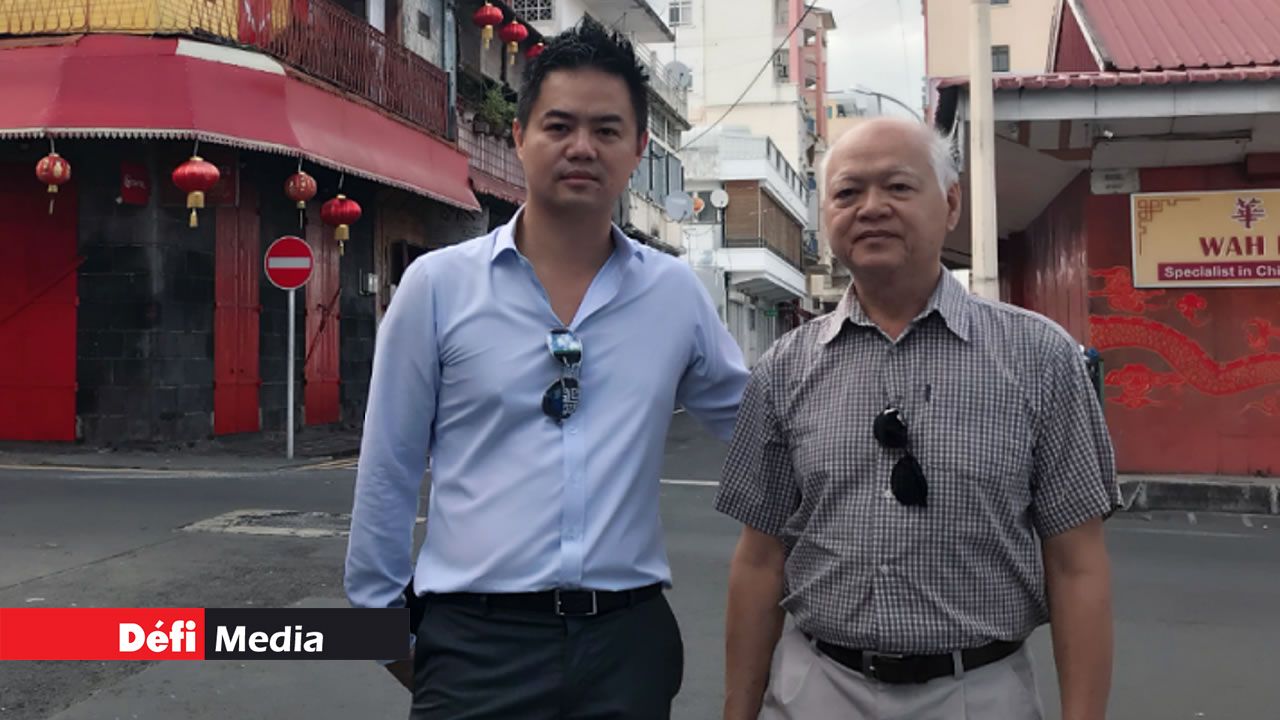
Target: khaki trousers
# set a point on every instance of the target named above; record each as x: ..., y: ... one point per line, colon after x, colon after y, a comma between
x: 804, y: 684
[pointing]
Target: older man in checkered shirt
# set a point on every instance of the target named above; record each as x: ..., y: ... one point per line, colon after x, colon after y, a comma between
x: 922, y: 476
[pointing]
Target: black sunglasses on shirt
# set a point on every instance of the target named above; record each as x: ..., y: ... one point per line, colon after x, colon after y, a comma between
x: 907, y: 480
x: 561, y: 400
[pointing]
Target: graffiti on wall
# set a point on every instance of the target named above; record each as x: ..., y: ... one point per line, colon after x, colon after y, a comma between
x: 1190, y: 365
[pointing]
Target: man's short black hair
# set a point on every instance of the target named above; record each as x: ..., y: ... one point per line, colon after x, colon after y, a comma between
x: 587, y: 45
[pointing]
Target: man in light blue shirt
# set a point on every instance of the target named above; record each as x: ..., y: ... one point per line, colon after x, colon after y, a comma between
x: 539, y: 367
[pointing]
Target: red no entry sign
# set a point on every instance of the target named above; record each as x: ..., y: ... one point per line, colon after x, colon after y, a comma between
x: 288, y: 262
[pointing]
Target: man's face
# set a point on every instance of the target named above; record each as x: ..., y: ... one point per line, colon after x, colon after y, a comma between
x: 884, y: 211
x: 580, y: 146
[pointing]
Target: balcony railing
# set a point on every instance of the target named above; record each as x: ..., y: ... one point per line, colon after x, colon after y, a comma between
x: 661, y: 81
x: 317, y: 37
x: 491, y: 155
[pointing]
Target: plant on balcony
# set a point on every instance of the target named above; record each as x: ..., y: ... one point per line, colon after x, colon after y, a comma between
x: 495, y: 112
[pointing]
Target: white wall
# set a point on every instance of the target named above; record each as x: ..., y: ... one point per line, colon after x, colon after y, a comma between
x: 429, y: 48
x: 1023, y: 25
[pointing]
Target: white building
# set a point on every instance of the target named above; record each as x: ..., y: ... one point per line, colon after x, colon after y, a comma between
x: 749, y: 253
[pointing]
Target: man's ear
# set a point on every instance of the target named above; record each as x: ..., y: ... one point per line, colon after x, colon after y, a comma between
x: 954, y: 206
x: 641, y: 143
x: 517, y: 133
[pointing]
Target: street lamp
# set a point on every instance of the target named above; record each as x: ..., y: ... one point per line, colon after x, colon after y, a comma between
x: 881, y: 96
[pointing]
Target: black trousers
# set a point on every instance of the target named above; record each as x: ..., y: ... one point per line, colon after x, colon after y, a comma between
x: 473, y: 663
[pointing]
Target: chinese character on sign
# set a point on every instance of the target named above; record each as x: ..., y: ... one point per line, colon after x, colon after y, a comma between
x: 1248, y: 211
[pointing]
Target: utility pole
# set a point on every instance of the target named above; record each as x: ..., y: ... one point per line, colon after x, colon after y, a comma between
x: 985, y: 280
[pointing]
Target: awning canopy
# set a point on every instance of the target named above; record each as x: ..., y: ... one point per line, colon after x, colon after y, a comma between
x: 126, y: 86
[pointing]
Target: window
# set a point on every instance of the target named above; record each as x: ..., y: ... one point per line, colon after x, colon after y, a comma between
x: 424, y: 25
x: 781, y: 66
x: 999, y: 58
x: 680, y: 13
x: 999, y: 2
x: 781, y: 13
x: 533, y: 10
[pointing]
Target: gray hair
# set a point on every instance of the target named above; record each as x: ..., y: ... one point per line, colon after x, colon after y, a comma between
x: 942, y: 156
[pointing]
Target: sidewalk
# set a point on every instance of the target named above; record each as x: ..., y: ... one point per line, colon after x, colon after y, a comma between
x: 250, y: 452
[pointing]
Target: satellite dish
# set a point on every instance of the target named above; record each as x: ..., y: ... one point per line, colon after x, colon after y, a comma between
x: 719, y: 199
x: 679, y: 74
x: 679, y: 207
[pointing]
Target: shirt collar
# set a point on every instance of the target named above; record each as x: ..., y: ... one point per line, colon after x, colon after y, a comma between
x: 505, y: 241
x: 950, y: 300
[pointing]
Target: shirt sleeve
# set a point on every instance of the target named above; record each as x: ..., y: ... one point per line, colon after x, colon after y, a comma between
x: 1074, y: 464
x: 712, y: 384
x: 759, y: 487
x: 394, y: 446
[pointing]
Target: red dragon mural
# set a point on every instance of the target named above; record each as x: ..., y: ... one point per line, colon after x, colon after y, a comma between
x: 1189, y: 363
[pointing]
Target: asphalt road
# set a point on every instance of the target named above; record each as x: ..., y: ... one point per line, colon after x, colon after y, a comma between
x: 1196, y: 596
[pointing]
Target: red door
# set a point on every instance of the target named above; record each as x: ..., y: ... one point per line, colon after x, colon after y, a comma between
x: 38, y: 261
x: 321, y: 368
x: 235, y: 317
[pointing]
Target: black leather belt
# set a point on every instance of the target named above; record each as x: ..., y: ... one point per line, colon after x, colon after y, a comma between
x: 566, y: 603
x: 914, y: 669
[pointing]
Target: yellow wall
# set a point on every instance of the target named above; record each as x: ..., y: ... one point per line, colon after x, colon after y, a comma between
x: 1023, y: 25
x: 217, y: 17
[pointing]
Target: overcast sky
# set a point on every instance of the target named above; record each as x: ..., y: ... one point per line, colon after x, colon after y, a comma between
x: 879, y: 45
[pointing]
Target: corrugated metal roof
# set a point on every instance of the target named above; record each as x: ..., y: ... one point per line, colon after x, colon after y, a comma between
x: 1059, y: 81
x: 1144, y: 35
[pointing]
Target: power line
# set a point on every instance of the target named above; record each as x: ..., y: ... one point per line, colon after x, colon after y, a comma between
x: 752, y: 84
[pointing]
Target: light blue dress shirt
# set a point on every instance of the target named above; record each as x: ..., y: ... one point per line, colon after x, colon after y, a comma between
x: 518, y: 502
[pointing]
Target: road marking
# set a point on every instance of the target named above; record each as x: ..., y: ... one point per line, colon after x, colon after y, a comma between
x: 697, y: 483
x: 1248, y: 521
x: 1190, y: 533
x: 347, y: 463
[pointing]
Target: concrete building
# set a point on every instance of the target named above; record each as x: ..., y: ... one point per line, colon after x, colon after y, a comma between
x: 1020, y: 36
x: 1138, y: 184
x: 748, y: 252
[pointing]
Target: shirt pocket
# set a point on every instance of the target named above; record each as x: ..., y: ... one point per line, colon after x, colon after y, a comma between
x: 977, y: 451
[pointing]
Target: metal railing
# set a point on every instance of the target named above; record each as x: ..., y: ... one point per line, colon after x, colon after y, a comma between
x: 491, y: 155
x: 318, y: 37
x: 660, y: 80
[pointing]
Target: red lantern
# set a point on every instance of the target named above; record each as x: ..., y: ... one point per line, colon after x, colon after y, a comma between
x: 486, y: 18
x: 53, y: 170
x: 196, y: 177
x: 513, y: 33
x: 341, y: 212
x: 300, y: 187
x: 534, y: 51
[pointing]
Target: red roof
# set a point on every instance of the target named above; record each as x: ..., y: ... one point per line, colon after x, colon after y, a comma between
x: 1058, y: 81
x: 1143, y: 35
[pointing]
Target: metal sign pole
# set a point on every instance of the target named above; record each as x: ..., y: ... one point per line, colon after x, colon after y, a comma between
x: 289, y: 446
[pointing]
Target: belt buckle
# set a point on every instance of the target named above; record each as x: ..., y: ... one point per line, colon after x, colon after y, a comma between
x: 887, y: 667
x: 595, y: 605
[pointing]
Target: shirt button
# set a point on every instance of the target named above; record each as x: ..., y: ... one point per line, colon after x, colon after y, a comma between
x: 887, y: 494
x: 573, y: 429
x: 884, y: 569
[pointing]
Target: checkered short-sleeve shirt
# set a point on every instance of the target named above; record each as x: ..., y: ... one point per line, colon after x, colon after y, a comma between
x: 1009, y: 432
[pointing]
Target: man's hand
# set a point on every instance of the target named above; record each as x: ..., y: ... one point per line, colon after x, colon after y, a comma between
x: 1079, y: 579
x: 753, y: 622
x: 403, y: 672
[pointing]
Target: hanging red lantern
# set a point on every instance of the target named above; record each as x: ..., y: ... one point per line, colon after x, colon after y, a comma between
x: 196, y: 177
x: 534, y: 51
x: 340, y: 212
x: 513, y: 33
x: 53, y: 170
x: 486, y: 18
x: 300, y: 187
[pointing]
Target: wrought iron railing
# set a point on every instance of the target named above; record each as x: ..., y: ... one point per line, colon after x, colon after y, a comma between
x: 317, y: 37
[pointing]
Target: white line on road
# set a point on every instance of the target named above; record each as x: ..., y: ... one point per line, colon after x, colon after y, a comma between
x: 1248, y: 521
x: 1191, y: 533
x: 698, y: 483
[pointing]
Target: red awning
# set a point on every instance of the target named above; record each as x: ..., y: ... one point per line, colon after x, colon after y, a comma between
x: 125, y: 86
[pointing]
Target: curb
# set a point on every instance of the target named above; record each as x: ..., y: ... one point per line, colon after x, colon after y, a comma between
x: 1244, y: 497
